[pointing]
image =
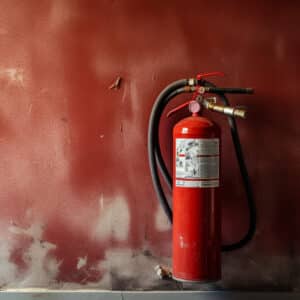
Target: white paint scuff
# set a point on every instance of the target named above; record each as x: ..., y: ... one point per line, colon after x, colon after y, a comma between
x: 13, y: 75
x: 42, y: 267
x: 182, y: 243
x: 8, y: 270
x: 161, y: 221
x: 81, y: 262
x: 124, y: 264
x: 113, y: 221
x: 127, y: 264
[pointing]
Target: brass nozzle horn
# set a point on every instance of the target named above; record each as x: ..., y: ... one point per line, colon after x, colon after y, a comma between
x: 227, y: 110
x: 239, y: 112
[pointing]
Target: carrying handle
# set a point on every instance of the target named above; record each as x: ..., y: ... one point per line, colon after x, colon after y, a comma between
x: 179, y: 107
x: 200, y: 76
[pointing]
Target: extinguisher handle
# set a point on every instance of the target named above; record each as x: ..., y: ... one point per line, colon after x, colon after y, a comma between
x: 174, y: 110
x: 200, y: 76
x: 218, y: 90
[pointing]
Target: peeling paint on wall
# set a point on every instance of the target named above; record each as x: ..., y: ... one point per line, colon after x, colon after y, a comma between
x: 40, y: 267
x: 8, y: 270
x: 113, y: 220
x: 124, y: 267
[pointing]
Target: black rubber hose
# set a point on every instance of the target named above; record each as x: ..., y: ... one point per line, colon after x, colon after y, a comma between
x: 156, y: 112
x: 158, y: 155
x: 245, y: 179
x: 216, y: 90
x: 155, y: 157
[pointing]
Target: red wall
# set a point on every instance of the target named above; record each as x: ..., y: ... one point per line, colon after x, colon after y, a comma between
x: 77, y: 203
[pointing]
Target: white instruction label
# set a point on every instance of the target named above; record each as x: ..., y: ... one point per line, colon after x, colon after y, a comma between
x: 197, y: 161
x: 197, y: 183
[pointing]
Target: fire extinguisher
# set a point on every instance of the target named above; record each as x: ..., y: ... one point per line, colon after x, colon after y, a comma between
x: 196, y: 214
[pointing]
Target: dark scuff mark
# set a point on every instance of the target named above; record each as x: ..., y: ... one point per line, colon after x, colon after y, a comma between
x: 122, y: 283
x: 63, y: 119
x: 147, y: 253
x: 116, y: 84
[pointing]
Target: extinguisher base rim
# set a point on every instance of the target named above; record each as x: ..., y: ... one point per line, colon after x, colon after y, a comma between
x: 196, y: 280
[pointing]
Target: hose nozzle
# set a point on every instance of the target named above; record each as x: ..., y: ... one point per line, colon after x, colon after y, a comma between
x: 226, y: 110
x: 240, y: 112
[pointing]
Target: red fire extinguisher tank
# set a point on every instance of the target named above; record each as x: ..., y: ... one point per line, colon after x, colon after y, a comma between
x: 196, y: 207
